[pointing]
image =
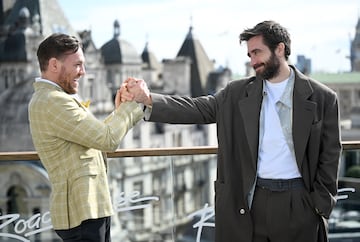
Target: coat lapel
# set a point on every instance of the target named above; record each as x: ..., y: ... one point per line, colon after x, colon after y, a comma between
x: 303, y: 116
x: 250, y: 114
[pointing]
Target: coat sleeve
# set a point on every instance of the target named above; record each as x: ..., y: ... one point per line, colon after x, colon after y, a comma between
x: 74, y: 124
x: 183, y: 110
x: 326, y: 178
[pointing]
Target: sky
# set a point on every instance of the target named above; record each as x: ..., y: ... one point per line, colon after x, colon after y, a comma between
x: 321, y: 30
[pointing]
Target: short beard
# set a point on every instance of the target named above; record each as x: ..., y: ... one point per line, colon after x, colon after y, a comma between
x: 271, y: 68
x: 65, y: 83
x: 67, y: 87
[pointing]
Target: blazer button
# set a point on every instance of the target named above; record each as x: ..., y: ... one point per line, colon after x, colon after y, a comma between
x: 242, y: 211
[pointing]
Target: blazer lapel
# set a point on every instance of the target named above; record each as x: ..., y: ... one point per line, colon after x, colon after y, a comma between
x: 303, y: 117
x: 250, y: 111
x: 80, y: 105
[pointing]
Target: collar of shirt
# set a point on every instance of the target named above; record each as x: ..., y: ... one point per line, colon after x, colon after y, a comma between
x: 39, y: 79
x: 286, y: 97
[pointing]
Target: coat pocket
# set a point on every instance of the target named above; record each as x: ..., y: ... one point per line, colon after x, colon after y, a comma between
x: 88, y: 164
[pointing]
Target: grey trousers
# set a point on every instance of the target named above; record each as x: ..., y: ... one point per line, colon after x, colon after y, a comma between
x: 284, y: 216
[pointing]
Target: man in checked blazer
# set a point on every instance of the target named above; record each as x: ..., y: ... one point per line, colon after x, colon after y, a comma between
x: 278, y: 144
x: 70, y: 141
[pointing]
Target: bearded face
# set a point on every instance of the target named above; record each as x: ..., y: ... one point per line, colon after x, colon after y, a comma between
x: 270, y: 69
x: 68, y: 81
x: 71, y: 70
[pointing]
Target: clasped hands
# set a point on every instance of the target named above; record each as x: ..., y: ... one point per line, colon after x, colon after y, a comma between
x: 133, y: 89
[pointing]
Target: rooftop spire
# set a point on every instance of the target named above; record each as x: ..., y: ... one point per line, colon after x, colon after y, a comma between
x: 189, y: 35
x: 116, y: 29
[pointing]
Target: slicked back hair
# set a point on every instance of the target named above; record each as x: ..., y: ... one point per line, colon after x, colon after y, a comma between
x: 56, y: 46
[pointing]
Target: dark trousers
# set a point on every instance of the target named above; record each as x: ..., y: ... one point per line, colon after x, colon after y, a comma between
x: 284, y: 215
x: 96, y: 230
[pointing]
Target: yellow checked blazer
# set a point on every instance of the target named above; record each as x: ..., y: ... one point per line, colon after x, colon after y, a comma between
x: 70, y: 141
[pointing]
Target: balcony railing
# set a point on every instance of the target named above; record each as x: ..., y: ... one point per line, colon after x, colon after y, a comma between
x: 138, y: 152
x: 159, y: 194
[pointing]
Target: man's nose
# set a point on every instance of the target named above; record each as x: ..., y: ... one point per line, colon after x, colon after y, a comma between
x: 82, y: 70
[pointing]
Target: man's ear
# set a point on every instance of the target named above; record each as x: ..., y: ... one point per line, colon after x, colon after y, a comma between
x: 280, y: 49
x: 54, y: 65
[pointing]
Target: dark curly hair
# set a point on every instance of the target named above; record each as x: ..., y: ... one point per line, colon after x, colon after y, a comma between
x: 273, y: 34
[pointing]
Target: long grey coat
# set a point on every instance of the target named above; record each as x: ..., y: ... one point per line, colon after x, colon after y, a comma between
x: 236, y: 110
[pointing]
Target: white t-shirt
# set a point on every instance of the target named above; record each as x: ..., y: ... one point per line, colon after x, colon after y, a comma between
x: 276, y: 161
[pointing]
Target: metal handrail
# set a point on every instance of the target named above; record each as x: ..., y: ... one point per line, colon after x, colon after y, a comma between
x: 138, y: 152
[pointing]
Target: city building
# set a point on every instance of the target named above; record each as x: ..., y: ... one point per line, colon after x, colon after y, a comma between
x: 355, y: 49
x: 24, y: 24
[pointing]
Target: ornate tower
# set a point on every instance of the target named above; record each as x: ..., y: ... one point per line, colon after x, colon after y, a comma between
x: 355, y: 49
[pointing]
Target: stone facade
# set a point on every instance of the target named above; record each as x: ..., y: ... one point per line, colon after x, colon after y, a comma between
x: 179, y: 184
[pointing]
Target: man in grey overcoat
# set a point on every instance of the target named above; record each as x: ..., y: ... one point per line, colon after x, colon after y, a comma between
x: 278, y: 144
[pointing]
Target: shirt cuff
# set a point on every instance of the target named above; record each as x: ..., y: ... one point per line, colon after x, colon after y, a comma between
x: 147, y: 112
